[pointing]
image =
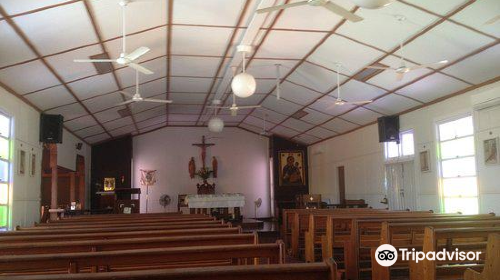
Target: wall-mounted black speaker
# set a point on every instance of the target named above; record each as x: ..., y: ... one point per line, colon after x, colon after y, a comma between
x: 388, y: 129
x: 51, y: 128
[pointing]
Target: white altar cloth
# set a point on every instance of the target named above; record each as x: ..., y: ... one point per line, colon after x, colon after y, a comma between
x: 226, y: 200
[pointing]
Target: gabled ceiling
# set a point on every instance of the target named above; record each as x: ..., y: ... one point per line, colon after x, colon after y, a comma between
x: 193, y: 44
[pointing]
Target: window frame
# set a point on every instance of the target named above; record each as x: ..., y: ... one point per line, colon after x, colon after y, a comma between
x: 440, y: 161
x: 9, y: 160
x: 400, y: 157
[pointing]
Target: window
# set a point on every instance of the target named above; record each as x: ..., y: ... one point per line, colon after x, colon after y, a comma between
x: 458, y: 166
x: 5, y: 160
x: 404, y: 149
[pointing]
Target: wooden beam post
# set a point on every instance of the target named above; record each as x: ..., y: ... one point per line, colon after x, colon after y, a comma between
x: 80, y: 168
x: 72, y: 187
x: 54, y: 178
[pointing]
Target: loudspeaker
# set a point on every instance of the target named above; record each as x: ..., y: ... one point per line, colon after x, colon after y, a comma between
x: 51, y: 128
x: 388, y: 129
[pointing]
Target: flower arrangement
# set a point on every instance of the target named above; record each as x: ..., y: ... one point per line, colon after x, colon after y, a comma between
x: 204, y: 173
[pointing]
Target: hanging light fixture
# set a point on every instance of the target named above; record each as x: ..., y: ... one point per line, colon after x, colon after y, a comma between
x: 372, y: 4
x: 215, y: 124
x: 243, y: 84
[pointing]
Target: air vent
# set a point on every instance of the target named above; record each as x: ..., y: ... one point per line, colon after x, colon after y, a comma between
x: 124, y: 112
x: 367, y: 74
x: 102, y: 67
x: 300, y: 114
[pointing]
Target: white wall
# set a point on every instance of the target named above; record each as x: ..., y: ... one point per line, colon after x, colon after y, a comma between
x: 363, y: 158
x: 243, y: 162
x: 26, y: 189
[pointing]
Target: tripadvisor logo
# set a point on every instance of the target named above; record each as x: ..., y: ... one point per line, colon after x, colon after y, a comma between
x: 386, y: 255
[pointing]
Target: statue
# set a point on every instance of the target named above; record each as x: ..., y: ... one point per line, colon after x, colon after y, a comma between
x: 214, y: 167
x: 192, y: 168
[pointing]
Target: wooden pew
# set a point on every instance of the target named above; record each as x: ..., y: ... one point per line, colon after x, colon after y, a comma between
x: 299, y: 271
x: 466, y: 239
x: 116, y: 216
x: 61, y: 246
x: 411, y: 235
x: 364, y: 233
x: 141, y: 259
x: 66, y: 222
x: 491, y: 269
x: 11, y: 239
x: 130, y: 227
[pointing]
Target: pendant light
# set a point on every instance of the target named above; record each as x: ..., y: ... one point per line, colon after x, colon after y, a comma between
x: 243, y: 84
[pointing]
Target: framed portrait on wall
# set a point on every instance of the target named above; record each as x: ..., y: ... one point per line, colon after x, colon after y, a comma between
x: 32, y: 164
x: 490, y: 151
x: 425, y: 165
x: 22, y: 162
x: 109, y: 184
x: 291, y: 168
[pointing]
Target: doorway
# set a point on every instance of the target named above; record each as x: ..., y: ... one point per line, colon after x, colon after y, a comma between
x: 400, y: 182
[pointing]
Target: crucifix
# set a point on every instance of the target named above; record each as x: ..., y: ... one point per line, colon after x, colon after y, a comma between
x: 203, y: 146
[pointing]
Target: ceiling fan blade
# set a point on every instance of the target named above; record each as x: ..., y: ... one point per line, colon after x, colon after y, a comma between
x: 427, y: 65
x: 217, y: 107
x: 141, y: 69
x: 493, y: 20
x: 359, y: 102
x: 379, y: 67
x: 125, y: 102
x: 342, y: 12
x: 157, y: 100
x: 126, y: 93
x: 399, y: 76
x: 249, y: 107
x: 137, y: 53
x: 281, y: 7
x: 94, y: 60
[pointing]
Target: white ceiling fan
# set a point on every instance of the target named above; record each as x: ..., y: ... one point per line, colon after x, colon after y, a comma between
x: 233, y: 108
x: 329, y: 5
x: 339, y: 101
x: 136, y: 97
x: 125, y: 59
x: 493, y: 20
x: 402, y: 69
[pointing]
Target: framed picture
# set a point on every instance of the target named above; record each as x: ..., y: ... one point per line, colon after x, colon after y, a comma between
x: 425, y: 165
x: 291, y: 165
x: 32, y: 164
x: 22, y: 162
x: 490, y: 151
x: 109, y: 184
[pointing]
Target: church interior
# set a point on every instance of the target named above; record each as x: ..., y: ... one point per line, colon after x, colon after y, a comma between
x: 249, y: 139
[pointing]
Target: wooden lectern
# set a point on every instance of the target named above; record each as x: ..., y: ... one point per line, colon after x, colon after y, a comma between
x: 120, y: 200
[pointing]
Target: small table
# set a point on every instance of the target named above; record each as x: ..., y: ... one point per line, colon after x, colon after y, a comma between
x: 225, y: 206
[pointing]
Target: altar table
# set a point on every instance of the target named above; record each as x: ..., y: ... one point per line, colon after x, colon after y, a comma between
x: 222, y: 205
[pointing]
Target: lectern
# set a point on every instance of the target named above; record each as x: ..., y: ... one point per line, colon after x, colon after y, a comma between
x: 120, y: 200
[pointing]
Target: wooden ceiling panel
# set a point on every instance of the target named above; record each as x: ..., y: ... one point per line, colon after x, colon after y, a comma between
x: 12, y: 48
x: 194, y: 66
x: 51, y: 97
x: 446, y: 41
x: 202, y: 12
x: 350, y: 54
x: 361, y: 116
x: 68, y: 69
x: 195, y: 40
x: 432, y: 87
x: 381, y: 29
x: 479, y: 68
x: 339, y: 125
x: 93, y: 86
x: 58, y: 29
x: 140, y: 15
x: 287, y: 44
x: 39, y: 77
x: 392, y: 104
x: 478, y: 13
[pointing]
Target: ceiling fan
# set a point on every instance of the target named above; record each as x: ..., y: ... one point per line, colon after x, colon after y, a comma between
x: 264, y: 131
x: 403, y: 68
x: 125, y: 59
x: 493, y: 20
x: 233, y: 108
x: 136, y: 97
x: 329, y: 5
x: 339, y: 101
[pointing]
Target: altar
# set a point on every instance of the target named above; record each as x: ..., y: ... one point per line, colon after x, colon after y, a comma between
x: 226, y: 206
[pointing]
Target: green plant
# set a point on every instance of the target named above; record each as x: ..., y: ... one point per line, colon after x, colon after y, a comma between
x: 204, y: 173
